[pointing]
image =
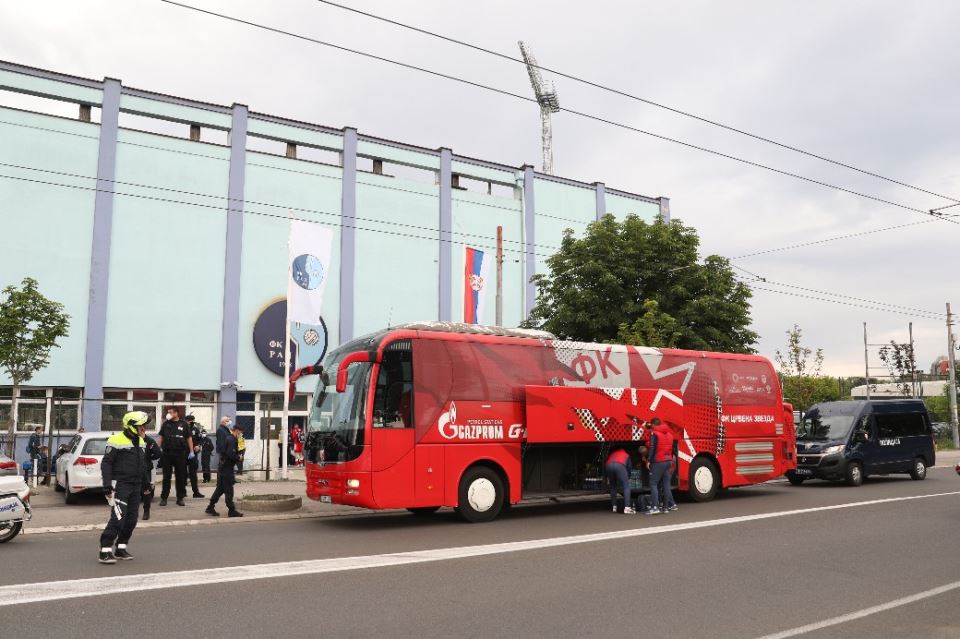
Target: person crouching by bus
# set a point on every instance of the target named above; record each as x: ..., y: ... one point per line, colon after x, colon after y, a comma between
x: 618, y: 467
x: 661, y: 461
x: 125, y: 476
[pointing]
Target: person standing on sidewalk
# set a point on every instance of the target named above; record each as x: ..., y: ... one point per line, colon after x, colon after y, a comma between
x: 661, y: 462
x: 193, y: 463
x: 225, y: 471
x: 152, y: 452
x: 206, y: 451
x: 241, y: 447
x: 177, y: 447
x: 125, y: 476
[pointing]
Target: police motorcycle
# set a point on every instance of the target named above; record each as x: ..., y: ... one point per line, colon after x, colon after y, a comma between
x: 14, y: 506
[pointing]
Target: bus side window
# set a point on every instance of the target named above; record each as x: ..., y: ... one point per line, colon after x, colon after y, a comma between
x: 393, y: 401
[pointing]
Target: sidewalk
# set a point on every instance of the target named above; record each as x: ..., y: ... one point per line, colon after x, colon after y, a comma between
x: 51, y: 514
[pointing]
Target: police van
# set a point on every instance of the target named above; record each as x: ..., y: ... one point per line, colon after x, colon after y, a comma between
x: 851, y: 440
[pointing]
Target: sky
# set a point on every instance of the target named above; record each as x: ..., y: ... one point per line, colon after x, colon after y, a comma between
x: 871, y: 84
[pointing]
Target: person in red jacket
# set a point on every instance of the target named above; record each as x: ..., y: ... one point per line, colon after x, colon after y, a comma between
x: 618, y: 469
x: 661, y: 462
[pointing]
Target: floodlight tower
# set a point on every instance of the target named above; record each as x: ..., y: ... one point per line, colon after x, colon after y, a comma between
x: 546, y: 95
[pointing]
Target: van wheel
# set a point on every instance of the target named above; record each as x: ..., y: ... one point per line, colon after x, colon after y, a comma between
x: 424, y: 511
x: 704, y: 480
x: 481, y: 495
x: 794, y: 479
x: 918, y: 470
x: 854, y: 474
x: 69, y: 497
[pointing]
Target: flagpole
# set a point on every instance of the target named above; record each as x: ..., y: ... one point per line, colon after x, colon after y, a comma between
x: 286, y: 401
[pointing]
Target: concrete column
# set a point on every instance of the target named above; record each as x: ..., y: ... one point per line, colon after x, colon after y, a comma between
x: 601, y: 199
x: 530, y: 236
x: 230, y: 334
x: 100, y: 256
x: 665, y: 208
x: 445, y: 312
x: 348, y: 233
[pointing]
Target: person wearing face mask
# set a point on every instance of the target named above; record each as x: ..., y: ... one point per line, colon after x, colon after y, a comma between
x: 176, y: 445
x: 227, y: 434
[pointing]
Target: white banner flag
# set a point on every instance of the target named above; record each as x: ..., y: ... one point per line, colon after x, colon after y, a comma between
x: 308, y: 269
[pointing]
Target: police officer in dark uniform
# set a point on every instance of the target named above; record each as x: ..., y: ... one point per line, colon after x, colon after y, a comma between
x: 125, y: 474
x: 226, y: 478
x: 176, y: 447
x: 206, y: 451
x: 193, y: 463
x: 152, y: 451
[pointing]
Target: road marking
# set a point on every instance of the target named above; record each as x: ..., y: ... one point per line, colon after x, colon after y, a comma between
x: 866, y: 612
x: 56, y: 590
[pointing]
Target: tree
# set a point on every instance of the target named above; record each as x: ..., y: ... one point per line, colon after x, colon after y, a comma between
x: 640, y: 283
x: 802, y: 382
x: 899, y: 360
x: 30, y: 325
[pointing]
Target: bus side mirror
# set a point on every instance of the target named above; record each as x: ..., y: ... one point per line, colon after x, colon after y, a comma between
x: 313, y: 369
x: 352, y: 358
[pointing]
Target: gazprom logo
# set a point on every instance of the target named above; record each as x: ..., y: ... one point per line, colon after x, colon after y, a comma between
x: 447, y: 424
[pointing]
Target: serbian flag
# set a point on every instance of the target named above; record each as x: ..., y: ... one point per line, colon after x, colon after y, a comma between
x: 475, y: 269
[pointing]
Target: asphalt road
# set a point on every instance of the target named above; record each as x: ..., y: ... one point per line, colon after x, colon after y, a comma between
x: 710, y: 570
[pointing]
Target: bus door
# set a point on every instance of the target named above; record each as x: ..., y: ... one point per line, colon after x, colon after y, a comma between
x: 392, y: 436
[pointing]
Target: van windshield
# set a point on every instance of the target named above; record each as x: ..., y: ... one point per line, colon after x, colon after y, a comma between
x: 827, y: 422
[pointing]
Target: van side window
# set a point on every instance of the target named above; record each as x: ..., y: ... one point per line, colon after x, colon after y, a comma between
x: 393, y: 401
x: 900, y: 425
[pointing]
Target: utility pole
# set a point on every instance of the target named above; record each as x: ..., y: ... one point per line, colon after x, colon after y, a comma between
x: 866, y: 360
x: 913, y: 367
x: 499, y: 276
x: 951, y: 347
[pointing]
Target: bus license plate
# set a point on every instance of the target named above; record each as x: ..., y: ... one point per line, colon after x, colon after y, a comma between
x: 326, y: 499
x: 803, y: 471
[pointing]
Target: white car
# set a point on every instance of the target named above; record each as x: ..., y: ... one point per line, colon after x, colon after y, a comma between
x: 78, y: 466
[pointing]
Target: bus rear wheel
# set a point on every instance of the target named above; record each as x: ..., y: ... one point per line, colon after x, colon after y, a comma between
x: 703, y: 482
x: 481, y: 495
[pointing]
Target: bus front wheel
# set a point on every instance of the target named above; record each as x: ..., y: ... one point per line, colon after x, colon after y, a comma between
x: 704, y: 480
x: 481, y: 495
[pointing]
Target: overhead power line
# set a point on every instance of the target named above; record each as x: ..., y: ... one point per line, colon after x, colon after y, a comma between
x: 229, y: 207
x: 625, y: 94
x: 581, y: 114
x: 845, y: 303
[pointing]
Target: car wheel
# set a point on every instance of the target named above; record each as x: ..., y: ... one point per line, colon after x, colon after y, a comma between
x: 481, y: 495
x: 918, y: 471
x: 794, y: 479
x: 8, y: 531
x: 56, y: 485
x: 424, y: 511
x: 703, y: 482
x: 854, y: 474
x: 69, y: 497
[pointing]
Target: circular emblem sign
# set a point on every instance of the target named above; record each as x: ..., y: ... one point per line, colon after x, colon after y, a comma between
x: 307, y: 271
x: 308, y: 343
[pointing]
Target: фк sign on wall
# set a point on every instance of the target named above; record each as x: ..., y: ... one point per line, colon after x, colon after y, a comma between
x: 308, y: 343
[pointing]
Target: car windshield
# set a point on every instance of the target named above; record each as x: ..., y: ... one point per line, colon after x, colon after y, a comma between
x: 94, y: 447
x: 335, y: 429
x: 827, y: 422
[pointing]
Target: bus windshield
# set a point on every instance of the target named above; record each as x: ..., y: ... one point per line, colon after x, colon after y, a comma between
x: 827, y: 422
x: 337, y: 420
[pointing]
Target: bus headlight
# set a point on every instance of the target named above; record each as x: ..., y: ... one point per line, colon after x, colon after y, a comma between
x: 353, y: 483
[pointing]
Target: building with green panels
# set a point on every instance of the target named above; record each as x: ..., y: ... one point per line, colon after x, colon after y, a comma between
x: 161, y: 224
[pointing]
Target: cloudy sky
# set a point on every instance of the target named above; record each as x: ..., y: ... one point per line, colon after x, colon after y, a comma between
x: 872, y: 84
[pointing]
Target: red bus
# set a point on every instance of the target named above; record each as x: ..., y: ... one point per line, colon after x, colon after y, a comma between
x: 433, y: 414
